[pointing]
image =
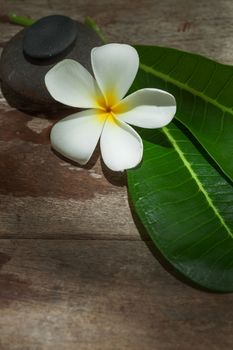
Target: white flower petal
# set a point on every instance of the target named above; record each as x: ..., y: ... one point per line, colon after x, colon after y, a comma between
x: 147, y: 108
x: 115, y: 67
x: 76, y: 136
x: 70, y: 83
x: 121, y: 146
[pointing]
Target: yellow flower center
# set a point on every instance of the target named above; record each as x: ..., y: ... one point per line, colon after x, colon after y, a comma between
x: 109, y: 106
x: 108, y: 109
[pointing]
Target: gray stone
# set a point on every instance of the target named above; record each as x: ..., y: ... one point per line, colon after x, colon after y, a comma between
x: 22, y: 78
x: 49, y: 37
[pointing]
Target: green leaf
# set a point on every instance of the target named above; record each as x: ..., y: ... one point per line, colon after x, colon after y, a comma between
x: 89, y: 22
x: 20, y: 20
x: 204, y: 92
x: 186, y: 206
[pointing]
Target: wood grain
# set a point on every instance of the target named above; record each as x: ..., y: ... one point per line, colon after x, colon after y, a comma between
x: 44, y: 196
x: 200, y: 26
x: 74, y: 271
x: 77, y: 295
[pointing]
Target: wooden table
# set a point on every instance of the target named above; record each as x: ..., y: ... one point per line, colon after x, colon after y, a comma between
x: 76, y: 271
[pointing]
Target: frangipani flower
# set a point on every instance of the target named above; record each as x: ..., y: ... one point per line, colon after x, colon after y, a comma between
x: 109, y: 113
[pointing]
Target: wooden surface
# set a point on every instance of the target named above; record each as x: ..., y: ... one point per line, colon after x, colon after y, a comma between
x: 76, y: 270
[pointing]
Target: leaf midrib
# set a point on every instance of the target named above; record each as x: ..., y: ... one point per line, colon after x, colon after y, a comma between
x: 185, y: 87
x: 196, y: 179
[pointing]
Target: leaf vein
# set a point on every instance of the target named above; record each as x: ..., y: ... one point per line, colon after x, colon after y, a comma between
x: 198, y: 182
x: 186, y: 87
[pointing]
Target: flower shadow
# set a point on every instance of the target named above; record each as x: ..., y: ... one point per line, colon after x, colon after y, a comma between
x: 87, y: 166
x: 155, y: 136
x: 116, y: 178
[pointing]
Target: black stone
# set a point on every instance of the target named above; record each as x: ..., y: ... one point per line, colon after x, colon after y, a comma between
x: 49, y: 37
x: 22, y: 78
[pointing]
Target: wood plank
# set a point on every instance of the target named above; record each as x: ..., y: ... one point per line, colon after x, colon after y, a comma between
x: 103, y: 295
x: 203, y: 27
x: 43, y: 195
x: 97, y: 294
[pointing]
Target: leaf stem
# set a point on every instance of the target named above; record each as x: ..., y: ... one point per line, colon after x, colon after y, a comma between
x: 89, y: 22
x: 20, y: 20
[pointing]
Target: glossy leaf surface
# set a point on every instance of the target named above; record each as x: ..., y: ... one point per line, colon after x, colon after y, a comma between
x: 204, y: 92
x: 186, y: 206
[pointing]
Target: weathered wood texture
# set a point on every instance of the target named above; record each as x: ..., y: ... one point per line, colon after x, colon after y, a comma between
x: 103, y: 295
x: 104, y: 289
